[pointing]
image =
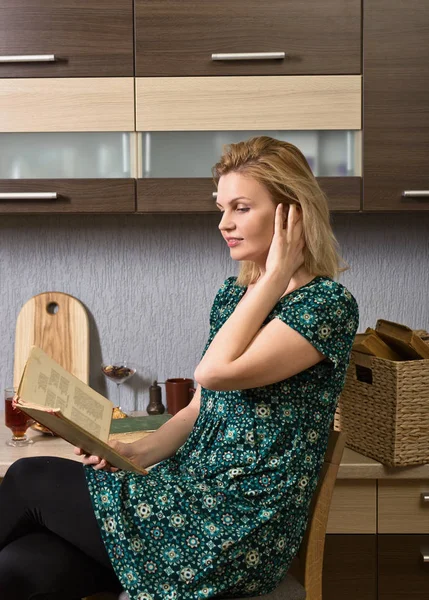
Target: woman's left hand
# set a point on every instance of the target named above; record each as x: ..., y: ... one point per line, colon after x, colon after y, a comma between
x: 286, y: 253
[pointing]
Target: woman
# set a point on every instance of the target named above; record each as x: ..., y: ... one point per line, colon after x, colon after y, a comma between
x: 237, y: 468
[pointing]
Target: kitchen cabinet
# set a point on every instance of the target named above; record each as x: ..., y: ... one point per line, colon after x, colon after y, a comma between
x: 184, y: 123
x: 396, y: 108
x: 192, y: 37
x: 58, y: 38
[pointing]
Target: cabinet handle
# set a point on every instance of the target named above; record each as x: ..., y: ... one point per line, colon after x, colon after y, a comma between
x: 28, y: 196
x: 416, y: 194
x: 214, y: 195
x: 425, y: 497
x: 250, y: 56
x: 19, y: 58
x: 425, y: 555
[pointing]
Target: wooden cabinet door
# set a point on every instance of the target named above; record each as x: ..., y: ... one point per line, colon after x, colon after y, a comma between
x: 88, y: 38
x: 179, y: 38
x: 396, y: 105
x: 72, y: 196
x: 350, y: 567
x: 195, y: 195
x: 402, y: 573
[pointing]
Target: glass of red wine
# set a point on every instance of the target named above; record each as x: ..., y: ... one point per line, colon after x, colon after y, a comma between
x: 16, y: 420
x: 118, y: 371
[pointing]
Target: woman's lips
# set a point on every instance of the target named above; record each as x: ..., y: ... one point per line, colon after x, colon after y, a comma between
x: 233, y: 242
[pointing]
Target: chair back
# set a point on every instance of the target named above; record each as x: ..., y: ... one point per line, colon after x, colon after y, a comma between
x: 313, y: 544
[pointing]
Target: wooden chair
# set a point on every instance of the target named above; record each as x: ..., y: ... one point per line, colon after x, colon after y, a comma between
x: 306, y: 580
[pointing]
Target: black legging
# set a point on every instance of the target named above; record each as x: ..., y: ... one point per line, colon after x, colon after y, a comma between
x: 50, y: 542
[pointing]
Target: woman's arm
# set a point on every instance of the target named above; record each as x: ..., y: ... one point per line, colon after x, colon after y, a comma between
x: 166, y: 440
x: 157, y: 446
x: 242, y: 355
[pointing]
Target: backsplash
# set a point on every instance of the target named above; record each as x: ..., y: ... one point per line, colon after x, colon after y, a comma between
x: 147, y: 282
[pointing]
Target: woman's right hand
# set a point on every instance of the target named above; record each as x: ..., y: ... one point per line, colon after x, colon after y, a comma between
x: 99, y: 463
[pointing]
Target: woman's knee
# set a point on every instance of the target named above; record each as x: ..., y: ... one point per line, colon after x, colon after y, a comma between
x: 14, y: 575
x: 24, y: 467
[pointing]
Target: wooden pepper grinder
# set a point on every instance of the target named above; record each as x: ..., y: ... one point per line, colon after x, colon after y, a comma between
x: 155, y: 406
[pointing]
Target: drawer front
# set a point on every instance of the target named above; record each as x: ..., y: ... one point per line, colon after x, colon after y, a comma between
x: 350, y: 567
x: 195, y: 195
x: 179, y: 38
x: 401, y: 507
x: 353, y: 507
x: 402, y: 572
x: 244, y: 103
x: 73, y: 196
x: 73, y: 104
x: 88, y: 39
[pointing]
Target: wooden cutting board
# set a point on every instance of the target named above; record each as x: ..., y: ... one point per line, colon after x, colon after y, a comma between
x: 58, y: 324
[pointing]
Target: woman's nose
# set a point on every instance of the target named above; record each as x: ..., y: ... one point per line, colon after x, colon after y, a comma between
x: 226, y: 222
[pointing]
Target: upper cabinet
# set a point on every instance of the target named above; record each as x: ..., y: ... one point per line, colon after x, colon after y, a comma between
x: 59, y: 38
x: 232, y: 37
x: 396, y: 106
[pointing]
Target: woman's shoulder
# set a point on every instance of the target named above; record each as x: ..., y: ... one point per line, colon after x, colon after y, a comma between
x: 325, y: 292
x: 325, y: 287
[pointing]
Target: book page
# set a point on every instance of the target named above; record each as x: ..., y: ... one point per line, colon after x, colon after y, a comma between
x: 74, y: 434
x: 46, y: 384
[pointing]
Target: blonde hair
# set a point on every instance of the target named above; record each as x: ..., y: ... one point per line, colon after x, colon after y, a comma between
x: 284, y: 171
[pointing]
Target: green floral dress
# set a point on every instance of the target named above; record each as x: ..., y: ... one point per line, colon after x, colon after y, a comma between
x: 226, y: 514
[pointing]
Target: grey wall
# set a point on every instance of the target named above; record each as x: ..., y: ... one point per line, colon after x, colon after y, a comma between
x: 148, y: 282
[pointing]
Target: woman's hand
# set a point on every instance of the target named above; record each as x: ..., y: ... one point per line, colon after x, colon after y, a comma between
x: 101, y: 463
x: 286, y: 253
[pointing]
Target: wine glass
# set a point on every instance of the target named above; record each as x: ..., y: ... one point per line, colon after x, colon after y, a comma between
x: 118, y: 371
x: 16, y: 420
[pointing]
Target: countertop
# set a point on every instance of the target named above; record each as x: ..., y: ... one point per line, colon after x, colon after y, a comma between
x: 353, y: 464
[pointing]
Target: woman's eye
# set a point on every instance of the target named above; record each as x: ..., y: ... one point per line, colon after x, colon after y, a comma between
x: 242, y: 209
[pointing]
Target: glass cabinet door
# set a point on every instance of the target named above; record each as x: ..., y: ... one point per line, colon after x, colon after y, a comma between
x: 65, y: 155
x: 174, y: 168
x: 67, y: 172
x: 166, y: 154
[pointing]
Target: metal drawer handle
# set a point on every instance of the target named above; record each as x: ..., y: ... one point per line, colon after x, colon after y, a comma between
x: 425, y: 555
x: 250, y: 56
x: 214, y: 195
x: 19, y: 58
x: 28, y: 196
x: 425, y: 497
x: 416, y: 194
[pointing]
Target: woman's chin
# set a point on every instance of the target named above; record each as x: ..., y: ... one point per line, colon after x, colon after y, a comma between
x: 241, y: 255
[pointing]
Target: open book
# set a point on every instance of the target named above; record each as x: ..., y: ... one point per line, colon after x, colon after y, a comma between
x: 52, y: 396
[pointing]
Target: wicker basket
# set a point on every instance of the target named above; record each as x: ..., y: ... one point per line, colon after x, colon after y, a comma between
x: 384, y: 409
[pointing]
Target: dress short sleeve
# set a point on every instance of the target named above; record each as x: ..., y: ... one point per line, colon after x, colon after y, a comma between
x: 327, y: 315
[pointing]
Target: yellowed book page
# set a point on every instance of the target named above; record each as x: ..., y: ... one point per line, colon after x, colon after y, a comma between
x: 71, y: 432
x: 46, y: 384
